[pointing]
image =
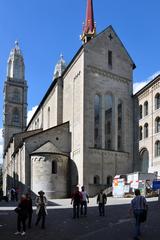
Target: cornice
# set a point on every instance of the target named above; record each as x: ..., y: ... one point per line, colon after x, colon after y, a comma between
x: 107, y: 74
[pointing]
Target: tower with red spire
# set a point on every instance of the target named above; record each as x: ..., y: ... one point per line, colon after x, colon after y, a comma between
x: 89, y: 28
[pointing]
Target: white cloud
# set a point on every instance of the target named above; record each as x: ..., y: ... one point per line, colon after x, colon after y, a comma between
x: 1, y: 146
x: 138, y: 85
x: 30, y: 113
x: 153, y: 75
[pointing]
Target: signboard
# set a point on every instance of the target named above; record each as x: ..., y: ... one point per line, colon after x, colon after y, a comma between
x: 118, y: 187
x: 156, y: 184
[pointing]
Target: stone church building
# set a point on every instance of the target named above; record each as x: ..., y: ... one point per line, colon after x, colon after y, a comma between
x: 82, y: 132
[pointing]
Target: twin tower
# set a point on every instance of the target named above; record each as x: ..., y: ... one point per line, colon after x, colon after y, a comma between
x: 15, y: 96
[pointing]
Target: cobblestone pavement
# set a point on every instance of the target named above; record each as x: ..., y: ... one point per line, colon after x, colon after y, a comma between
x: 116, y: 225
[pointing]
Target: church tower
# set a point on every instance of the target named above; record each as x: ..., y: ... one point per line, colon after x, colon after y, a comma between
x: 60, y: 67
x: 89, y: 28
x: 15, y: 96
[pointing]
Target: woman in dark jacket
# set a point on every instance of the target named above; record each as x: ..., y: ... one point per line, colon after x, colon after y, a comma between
x: 22, y: 214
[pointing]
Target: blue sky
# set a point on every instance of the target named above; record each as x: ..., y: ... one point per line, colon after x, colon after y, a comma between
x: 47, y: 28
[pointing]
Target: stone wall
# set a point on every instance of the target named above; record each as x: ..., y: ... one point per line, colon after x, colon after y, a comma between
x: 54, y: 184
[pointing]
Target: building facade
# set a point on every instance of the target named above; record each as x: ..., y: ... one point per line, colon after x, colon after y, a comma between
x: 82, y: 131
x: 147, y: 108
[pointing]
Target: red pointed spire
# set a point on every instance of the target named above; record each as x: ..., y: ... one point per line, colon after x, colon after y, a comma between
x: 89, y: 29
x: 89, y: 25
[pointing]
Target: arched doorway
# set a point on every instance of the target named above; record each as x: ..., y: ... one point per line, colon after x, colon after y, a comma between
x: 144, y: 160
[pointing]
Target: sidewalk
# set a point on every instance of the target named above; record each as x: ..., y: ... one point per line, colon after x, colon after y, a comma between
x: 66, y: 203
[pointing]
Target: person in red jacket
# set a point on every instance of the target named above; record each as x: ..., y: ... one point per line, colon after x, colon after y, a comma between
x: 76, y: 200
x: 22, y: 214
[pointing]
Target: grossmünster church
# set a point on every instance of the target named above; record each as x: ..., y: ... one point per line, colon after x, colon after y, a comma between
x: 85, y: 129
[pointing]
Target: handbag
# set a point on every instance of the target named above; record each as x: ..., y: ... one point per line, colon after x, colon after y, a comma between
x: 17, y: 210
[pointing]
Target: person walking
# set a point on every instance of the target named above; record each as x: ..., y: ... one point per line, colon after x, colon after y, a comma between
x: 139, y: 208
x: 101, y: 201
x: 22, y: 213
x: 30, y: 209
x: 41, y: 203
x: 76, y: 200
x: 85, y: 200
x: 12, y: 194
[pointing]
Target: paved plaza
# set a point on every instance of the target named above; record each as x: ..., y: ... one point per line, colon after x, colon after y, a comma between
x: 116, y: 225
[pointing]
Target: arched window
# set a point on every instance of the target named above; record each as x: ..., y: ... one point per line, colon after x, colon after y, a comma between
x: 48, y: 117
x: 140, y: 111
x: 38, y: 123
x: 109, y: 181
x: 157, y: 125
x: 108, y: 127
x: 144, y: 161
x: 108, y: 121
x: 15, y: 117
x: 97, y: 141
x: 120, y: 122
x: 145, y: 130
x: 119, y: 143
x: 54, y: 167
x: 145, y: 108
x: 109, y: 144
x: 157, y: 148
x: 157, y: 101
x: 96, y: 179
x: 140, y: 133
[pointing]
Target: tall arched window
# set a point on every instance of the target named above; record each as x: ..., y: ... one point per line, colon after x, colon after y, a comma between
x: 38, y: 123
x: 109, y: 181
x: 145, y: 130
x: 157, y: 124
x: 108, y: 121
x: 15, y: 117
x: 96, y: 179
x: 54, y: 167
x: 140, y: 111
x: 48, y: 117
x: 97, y: 142
x: 144, y: 161
x: 157, y: 101
x: 145, y: 108
x: 120, y: 132
x: 157, y: 148
x: 119, y: 143
x: 140, y: 133
x: 119, y: 123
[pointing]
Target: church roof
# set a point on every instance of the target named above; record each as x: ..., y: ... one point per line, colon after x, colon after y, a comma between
x: 48, y: 148
x: 53, y: 84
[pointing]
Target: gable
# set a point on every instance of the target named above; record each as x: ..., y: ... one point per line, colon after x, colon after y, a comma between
x: 109, y: 40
